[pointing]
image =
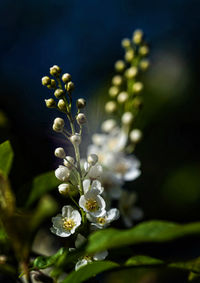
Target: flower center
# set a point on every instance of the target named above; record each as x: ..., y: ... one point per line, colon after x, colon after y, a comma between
x: 121, y: 168
x: 101, y: 220
x: 68, y: 224
x: 91, y: 205
x: 87, y: 257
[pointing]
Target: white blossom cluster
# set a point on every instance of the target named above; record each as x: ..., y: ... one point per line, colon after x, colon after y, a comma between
x: 93, y: 185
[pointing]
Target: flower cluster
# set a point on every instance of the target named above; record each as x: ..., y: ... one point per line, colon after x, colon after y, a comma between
x: 93, y: 183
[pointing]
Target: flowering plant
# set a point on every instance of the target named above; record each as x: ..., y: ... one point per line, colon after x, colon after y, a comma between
x: 93, y: 187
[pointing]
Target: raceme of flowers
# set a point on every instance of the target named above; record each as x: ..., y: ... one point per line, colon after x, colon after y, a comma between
x: 94, y: 183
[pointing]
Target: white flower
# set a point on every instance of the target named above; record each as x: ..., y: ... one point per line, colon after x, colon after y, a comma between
x: 87, y: 259
x: 112, y: 184
x: 128, y: 210
x: 62, y: 173
x: 92, y: 203
x: 94, y: 172
x: 104, y: 220
x: 127, y: 168
x: 108, y: 125
x: 66, y: 223
x: 92, y: 186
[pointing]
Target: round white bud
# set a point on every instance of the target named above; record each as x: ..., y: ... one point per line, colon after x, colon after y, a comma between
x: 69, y: 161
x: 122, y: 97
x: 108, y: 125
x: 129, y: 55
x: 119, y: 66
x: 117, y: 80
x: 63, y: 188
x: 127, y: 118
x: 55, y: 70
x: 58, y: 125
x: 81, y: 118
x: 126, y: 43
x: 60, y: 153
x: 66, y: 78
x: 62, y: 105
x: 131, y: 72
x: 62, y: 173
x: 80, y: 103
x: 50, y: 103
x: 92, y: 159
x: 46, y: 81
x: 75, y: 139
x: 137, y: 87
x: 110, y: 106
x: 137, y: 36
x: 135, y: 135
x: 113, y: 91
x: 144, y: 64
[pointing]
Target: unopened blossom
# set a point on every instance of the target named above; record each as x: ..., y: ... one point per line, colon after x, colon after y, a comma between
x: 66, y: 223
x: 62, y: 173
x: 104, y: 220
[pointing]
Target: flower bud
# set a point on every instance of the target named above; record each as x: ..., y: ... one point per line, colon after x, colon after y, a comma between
x: 129, y: 55
x: 144, y: 64
x: 144, y: 50
x: 137, y: 87
x: 52, y: 84
x: 58, y: 125
x: 108, y: 125
x: 59, y: 93
x: 62, y: 105
x: 119, y: 66
x: 46, y: 81
x: 81, y: 103
x: 69, y: 161
x: 62, y: 173
x: 117, y: 80
x: 126, y: 43
x: 60, y: 153
x: 113, y: 91
x: 50, y: 103
x: 111, y: 106
x: 81, y: 118
x: 135, y: 135
x: 66, y: 189
x: 137, y: 36
x: 131, y: 72
x: 122, y: 97
x: 127, y: 118
x: 75, y: 139
x: 92, y: 159
x: 66, y: 78
x: 69, y: 86
x: 55, y: 70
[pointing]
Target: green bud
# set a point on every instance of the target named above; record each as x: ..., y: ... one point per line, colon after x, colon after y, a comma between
x: 81, y: 118
x: 144, y: 64
x: 46, y: 81
x: 50, y: 103
x: 69, y: 86
x: 59, y: 93
x: 66, y: 78
x: 144, y: 50
x: 52, y: 84
x: 137, y: 36
x: 119, y: 66
x: 55, y: 71
x: 80, y: 103
x: 126, y: 43
x: 62, y: 105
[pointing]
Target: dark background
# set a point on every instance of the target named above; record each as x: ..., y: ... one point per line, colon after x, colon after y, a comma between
x: 83, y: 37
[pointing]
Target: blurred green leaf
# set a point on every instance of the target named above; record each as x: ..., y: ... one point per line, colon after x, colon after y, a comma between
x: 192, y: 265
x: 192, y: 276
x: 89, y: 271
x: 146, y: 232
x: 3, y: 235
x: 43, y: 262
x: 6, y: 157
x: 41, y: 185
x: 7, y: 198
x: 142, y: 260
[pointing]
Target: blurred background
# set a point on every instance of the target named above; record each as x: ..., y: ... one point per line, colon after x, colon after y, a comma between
x: 84, y: 38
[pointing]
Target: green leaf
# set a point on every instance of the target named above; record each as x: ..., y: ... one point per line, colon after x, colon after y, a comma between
x: 3, y: 236
x: 89, y: 270
x: 7, y: 198
x: 41, y: 185
x: 6, y: 157
x: 192, y: 265
x: 42, y: 262
x: 142, y: 260
x: 146, y: 232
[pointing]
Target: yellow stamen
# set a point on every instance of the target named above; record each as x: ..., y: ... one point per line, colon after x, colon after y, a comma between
x: 101, y: 220
x: 91, y: 205
x: 68, y: 223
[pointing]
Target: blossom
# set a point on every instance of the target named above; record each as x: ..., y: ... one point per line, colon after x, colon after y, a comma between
x: 92, y: 186
x: 66, y: 223
x: 92, y: 203
x: 93, y: 172
x: 129, y: 212
x: 62, y: 173
x: 104, y: 220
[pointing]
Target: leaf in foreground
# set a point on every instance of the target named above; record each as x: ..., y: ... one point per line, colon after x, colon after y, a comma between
x: 6, y: 157
x: 146, y: 232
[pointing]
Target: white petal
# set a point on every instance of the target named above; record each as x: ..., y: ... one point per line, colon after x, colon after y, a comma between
x: 82, y: 202
x: 62, y: 173
x: 67, y: 211
x: 132, y: 174
x: 96, y: 185
x: 57, y: 221
x: 76, y: 217
x: 101, y: 255
x: 86, y: 166
x: 112, y: 214
x: 81, y: 263
x: 86, y: 185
